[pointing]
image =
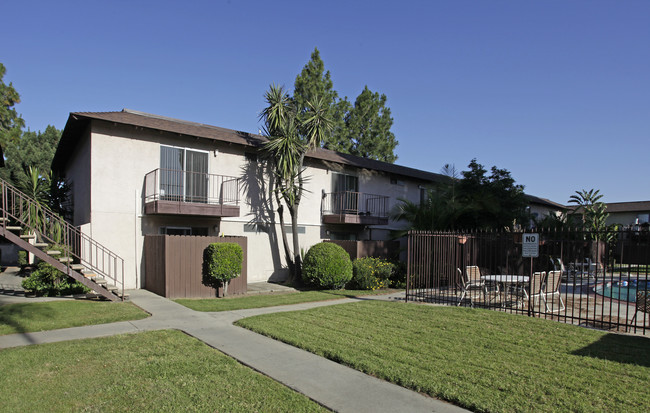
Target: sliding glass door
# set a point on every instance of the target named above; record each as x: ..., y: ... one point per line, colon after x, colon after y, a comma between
x: 183, y: 175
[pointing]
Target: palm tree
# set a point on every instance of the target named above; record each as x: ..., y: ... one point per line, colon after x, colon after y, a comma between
x: 593, y: 212
x: 291, y: 133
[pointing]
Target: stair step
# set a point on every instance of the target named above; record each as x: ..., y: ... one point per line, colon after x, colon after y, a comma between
x: 100, y: 281
x: 12, y: 228
x: 90, y: 275
x: 28, y: 236
x: 3, y: 219
x: 65, y: 259
x: 77, y: 267
x: 41, y: 244
x: 53, y: 252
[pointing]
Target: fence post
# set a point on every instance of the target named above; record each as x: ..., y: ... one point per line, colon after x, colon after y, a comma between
x: 408, y: 266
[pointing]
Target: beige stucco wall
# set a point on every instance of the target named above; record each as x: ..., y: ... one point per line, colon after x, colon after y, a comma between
x: 626, y: 218
x: 119, y: 157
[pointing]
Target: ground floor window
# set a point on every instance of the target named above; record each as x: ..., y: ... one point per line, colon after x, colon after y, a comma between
x: 201, y: 231
x: 342, y: 236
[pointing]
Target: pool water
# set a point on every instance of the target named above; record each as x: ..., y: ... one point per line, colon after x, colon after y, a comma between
x: 622, y: 290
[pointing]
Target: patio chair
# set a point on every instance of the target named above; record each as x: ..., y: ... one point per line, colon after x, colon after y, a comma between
x: 642, y: 305
x: 535, y: 292
x: 471, y: 284
x: 551, y: 288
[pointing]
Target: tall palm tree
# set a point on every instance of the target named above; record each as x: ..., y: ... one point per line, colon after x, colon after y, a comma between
x: 291, y: 133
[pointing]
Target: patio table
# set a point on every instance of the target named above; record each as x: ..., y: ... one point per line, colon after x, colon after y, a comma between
x: 504, y: 280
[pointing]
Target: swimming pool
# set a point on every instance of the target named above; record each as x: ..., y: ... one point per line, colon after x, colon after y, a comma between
x: 622, y: 290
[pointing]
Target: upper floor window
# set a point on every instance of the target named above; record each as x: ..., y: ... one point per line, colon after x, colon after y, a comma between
x: 344, y: 183
x: 183, y: 174
x: 395, y: 181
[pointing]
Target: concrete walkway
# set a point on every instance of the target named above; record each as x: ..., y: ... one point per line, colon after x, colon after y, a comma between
x: 337, y: 387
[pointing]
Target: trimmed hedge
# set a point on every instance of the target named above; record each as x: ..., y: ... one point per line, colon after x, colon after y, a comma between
x: 222, y: 261
x: 327, y: 265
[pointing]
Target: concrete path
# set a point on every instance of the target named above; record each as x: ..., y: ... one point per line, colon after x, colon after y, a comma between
x: 337, y: 387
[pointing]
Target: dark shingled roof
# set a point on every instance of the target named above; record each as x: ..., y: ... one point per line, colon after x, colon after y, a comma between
x: 637, y: 206
x: 78, y: 122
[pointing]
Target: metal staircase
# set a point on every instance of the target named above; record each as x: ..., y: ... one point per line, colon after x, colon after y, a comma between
x: 39, y: 230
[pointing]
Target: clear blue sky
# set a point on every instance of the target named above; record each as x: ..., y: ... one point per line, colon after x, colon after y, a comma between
x: 555, y: 91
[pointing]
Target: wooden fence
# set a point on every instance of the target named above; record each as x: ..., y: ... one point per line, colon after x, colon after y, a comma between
x: 174, y: 264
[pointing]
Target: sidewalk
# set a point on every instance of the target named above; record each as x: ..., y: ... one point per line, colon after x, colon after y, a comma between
x: 335, y: 386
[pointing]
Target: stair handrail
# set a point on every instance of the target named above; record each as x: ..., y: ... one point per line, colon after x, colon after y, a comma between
x: 17, y: 205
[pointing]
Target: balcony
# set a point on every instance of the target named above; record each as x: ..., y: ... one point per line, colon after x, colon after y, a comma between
x: 355, y: 208
x: 174, y: 192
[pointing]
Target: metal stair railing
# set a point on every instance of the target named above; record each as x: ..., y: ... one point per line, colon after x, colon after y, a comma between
x: 53, y: 229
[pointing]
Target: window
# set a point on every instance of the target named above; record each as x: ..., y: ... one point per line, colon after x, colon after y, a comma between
x: 343, y: 236
x: 395, y: 181
x: 423, y: 195
x: 183, y: 174
x: 344, y: 183
x: 202, y: 231
x: 346, y: 193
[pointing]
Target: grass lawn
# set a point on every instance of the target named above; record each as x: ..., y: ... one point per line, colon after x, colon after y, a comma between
x: 483, y: 360
x: 272, y: 300
x: 152, y: 371
x: 30, y: 317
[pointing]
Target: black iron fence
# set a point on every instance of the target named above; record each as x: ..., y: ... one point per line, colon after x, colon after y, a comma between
x: 595, y: 279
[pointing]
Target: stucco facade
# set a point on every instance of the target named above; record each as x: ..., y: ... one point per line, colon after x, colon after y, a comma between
x: 106, y: 163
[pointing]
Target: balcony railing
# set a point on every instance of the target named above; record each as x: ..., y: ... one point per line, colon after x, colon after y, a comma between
x: 367, y: 208
x: 166, y: 186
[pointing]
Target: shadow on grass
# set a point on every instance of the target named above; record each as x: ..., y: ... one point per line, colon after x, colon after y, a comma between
x: 11, y: 314
x: 619, y: 348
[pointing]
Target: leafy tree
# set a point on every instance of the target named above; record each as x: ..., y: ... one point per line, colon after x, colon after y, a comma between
x: 10, y: 122
x: 314, y: 82
x: 477, y: 200
x: 362, y: 129
x: 28, y: 168
x: 35, y: 149
x: 367, y: 128
x: 493, y: 201
x: 291, y: 131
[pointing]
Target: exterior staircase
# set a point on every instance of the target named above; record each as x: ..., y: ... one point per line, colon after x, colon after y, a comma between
x: 39, y: 230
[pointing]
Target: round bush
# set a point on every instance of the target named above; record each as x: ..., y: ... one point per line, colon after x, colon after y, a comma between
x: 327, y: 265
x: 371, y: 273
x: 221, y: 262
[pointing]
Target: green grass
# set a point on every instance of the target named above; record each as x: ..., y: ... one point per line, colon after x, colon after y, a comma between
x: 483, y: 360
x: 51, y: 315
x: 152, y: 371
x: 271, y: 300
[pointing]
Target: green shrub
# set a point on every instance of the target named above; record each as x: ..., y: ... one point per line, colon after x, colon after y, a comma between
x: 48, y: 281
x: 327, y: 265
x: 371, y: 273
x: 398, y: 277
x: 222, y: 261
x: 22, y: 258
